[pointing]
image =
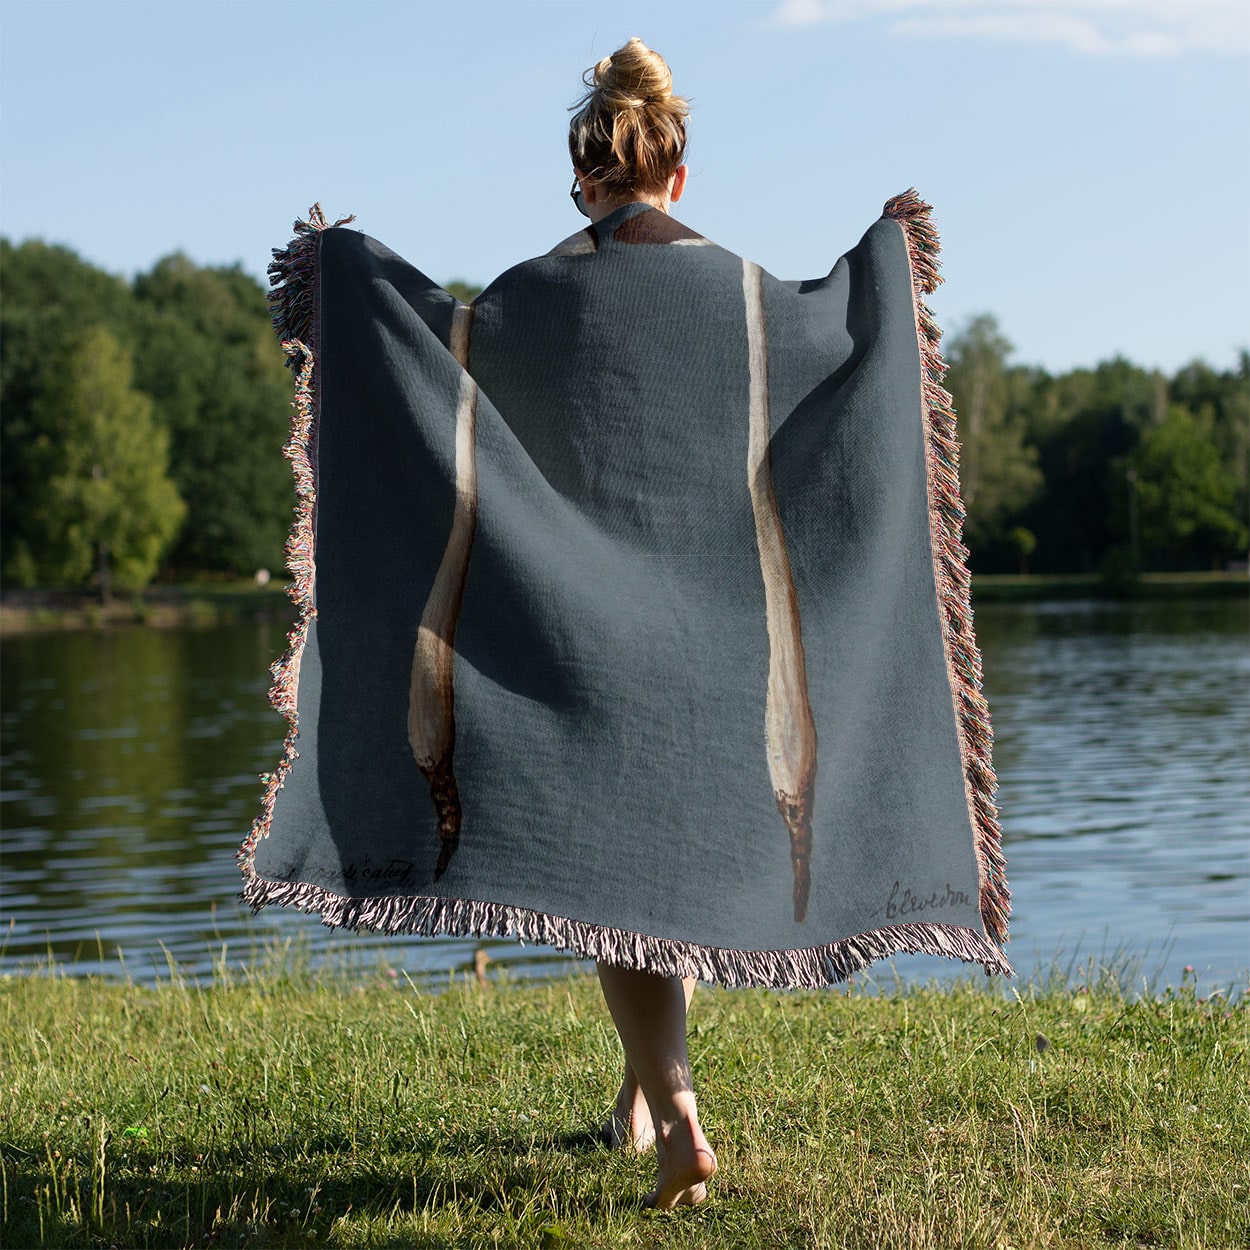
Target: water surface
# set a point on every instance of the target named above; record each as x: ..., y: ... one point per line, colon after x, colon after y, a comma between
x: 131, y: 759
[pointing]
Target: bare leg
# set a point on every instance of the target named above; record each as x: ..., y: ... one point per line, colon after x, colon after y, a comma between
x: 650, y: 1015
x: 629, y: 1126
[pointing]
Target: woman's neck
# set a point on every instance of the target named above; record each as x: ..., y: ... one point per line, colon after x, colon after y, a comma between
x: 602, y: 208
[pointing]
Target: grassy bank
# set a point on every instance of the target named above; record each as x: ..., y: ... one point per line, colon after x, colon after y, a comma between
x: 1000, y: 587
x: 167, y: 606
x: 213, y: 603
x: 278, y: 1108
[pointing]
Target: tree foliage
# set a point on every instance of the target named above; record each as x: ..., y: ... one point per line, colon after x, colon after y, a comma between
x: 464, y: 291
x: 998, y: 467
x: 100, y: 502
x: 142, y: 422
x: 1187, y: 492
x: 207, y: 355
x: 218, y: 399
x: 1099, y: 466
x: 51, y: 298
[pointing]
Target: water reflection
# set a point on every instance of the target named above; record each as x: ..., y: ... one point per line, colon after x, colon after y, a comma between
x: 131, y: 762
x: 1122, y: 735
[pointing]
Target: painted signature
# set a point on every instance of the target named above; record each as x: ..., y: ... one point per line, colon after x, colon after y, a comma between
x: 912, y: 904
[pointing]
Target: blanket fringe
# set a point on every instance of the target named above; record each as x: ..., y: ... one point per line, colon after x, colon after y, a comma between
x: 293, y: 279
x: 954, y: 584
x: 811, y: 968
x: 293, y: 305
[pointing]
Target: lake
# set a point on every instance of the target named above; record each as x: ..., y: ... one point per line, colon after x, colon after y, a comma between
x: 130, y: 775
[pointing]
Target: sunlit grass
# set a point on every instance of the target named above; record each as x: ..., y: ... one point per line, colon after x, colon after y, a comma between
x: 279, y: 1106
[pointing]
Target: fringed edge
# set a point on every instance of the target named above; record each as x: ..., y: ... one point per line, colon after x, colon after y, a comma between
x: 293, y: 304
x: 293, y: 279
x: 811, y: 968
x: 950, y: 558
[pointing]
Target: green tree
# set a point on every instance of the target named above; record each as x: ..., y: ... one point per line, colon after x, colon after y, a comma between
x: 1223, y: 400
x: 1187, y: 494
x: 51, y: 296
x: 1024, y: 543
x: 1087, y: 423
x: 103, y: 505
x: 208, y: 357
x: 464, y: 291
x: 997, y: 466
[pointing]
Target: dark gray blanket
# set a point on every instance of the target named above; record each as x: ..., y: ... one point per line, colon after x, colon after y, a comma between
x: 634, y: 618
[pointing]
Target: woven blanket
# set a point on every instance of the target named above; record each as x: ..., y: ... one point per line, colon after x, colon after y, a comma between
x: 634, y: 618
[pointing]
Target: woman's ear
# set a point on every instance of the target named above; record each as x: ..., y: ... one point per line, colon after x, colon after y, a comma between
x: 678, y: 184
x: 588, y: 186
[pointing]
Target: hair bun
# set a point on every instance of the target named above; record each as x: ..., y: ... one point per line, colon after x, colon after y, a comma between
x: 632, y: 77
x: 629, y: 129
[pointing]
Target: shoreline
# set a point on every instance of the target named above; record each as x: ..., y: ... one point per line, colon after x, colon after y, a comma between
x: 172, y: 606
x: 204, y: 604
x: 1035, y: 587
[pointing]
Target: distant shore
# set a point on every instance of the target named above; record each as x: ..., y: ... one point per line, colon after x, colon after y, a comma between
x: 1001, y: 587
x: 216, y: 603
x: 164, y: 606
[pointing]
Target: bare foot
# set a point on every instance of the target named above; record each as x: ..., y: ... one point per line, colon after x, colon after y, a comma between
x: 629, y: 1126
x: 686, y: 1164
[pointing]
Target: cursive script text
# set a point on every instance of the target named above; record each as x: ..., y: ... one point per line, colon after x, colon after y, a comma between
x: 911, y: 904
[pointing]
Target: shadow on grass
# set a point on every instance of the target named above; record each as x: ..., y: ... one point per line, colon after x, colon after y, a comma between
x: 295, y: 1194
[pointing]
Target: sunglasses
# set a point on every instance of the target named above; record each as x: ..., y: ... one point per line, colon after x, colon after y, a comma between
x: 576, y: 196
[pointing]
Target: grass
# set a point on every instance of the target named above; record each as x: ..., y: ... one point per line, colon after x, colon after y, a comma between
x: 198, y: 603
x: 276, y: 1106
x: 1012, y: 587
x: 211, y: 602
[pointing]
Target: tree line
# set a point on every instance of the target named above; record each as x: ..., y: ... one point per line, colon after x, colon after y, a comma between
x: 141, y: 421
x: 1114, y: 470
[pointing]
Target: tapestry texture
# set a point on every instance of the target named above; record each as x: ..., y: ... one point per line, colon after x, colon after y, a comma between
x: 633, y: 613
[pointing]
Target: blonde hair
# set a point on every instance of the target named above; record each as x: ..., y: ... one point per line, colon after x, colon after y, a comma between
x: 629, y: 132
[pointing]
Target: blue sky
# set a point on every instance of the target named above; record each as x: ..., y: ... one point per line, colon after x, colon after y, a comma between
x: 1087, y: 159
